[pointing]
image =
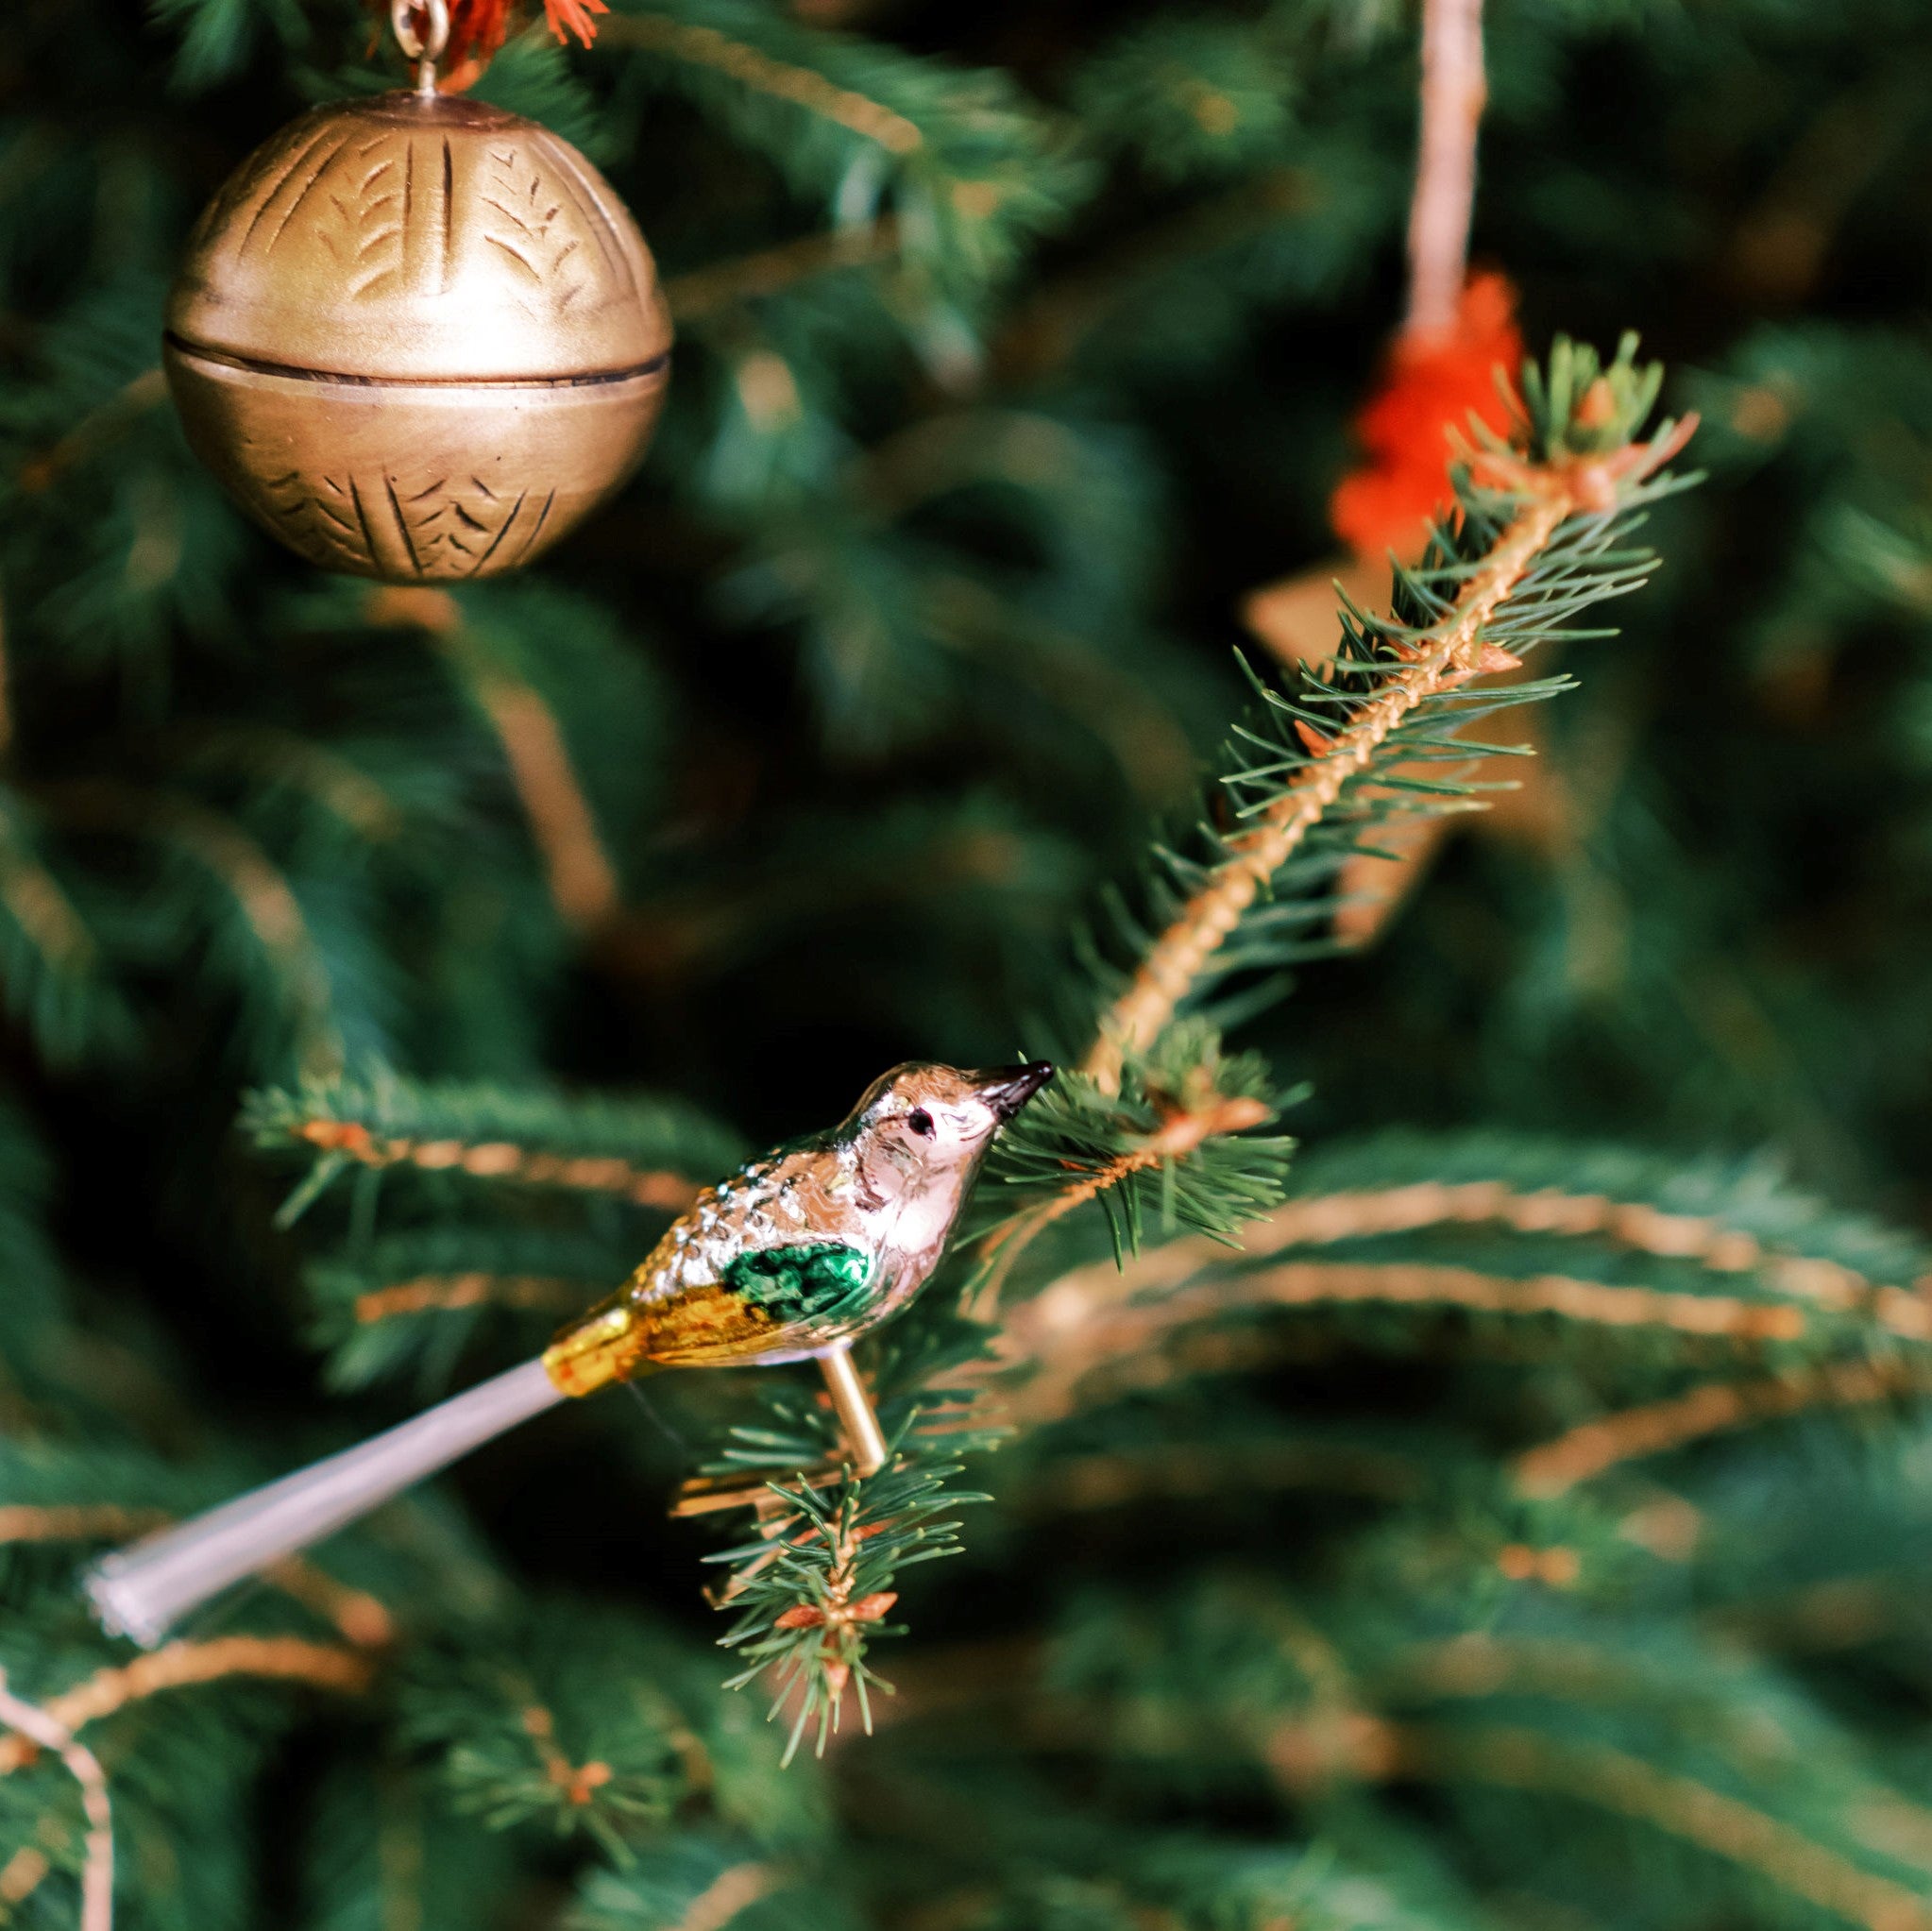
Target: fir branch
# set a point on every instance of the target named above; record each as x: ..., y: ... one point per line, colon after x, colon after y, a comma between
x: 751, y: 67
x: 1182, y: 954
x: 51, y: 964
x: 1194, y: 94
x: 971, y: 167
x: 577, y: 1718
x: 1710, y: 1241
x: 253, y: 883
x: 619, y: 1149
x: 1302, y: 1714
x: 1155, y: 1104
x: 448, y: 1293
x: 6, y: 685
x: 1083, y: 1323
x: 1183, y: 1147
x: 811, y: 1591
x: 1535, y: 542
x: 699, y: 294
x: 47, y: 1731
x: 1584, y: 1453
x: 1176, y: 1471
x: 97, y: 428
x: 696, y: 1884
x: 582, y: 880
x: 1048, y: 331
x: 1521, y: 1758
x: 77, y: 1521
x: 1723, y: 1216
x: 1735, y: 1225
x: 363, y: 1618
x: 185, y: 1665
x: 415, y: 1298
x: 269, y: 756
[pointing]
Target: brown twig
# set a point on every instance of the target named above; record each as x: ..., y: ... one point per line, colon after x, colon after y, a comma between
x: 733, y: 1889
x: 1327, y: 1219
x: 1712, y: 1408
x: 1524, y: 1759
x: 43, y: 1729
x: 582, y: 881
x: 1453, y: 92
x: 264, y: 898
x: 1333, y: 1740
x: 503, y: 1159
x: 705, y: 46
x: 1090, y: 1317
x: 443, y: 1292
x: 39, y: 907
x: 701, y: 293
x: 76, y: 1522
x: 1711, y: 1243
x: 578, y: 872
x: 1192, y: 1472
x: 177, y: 1665
x: 148, y: 390
x: 362, y: 1617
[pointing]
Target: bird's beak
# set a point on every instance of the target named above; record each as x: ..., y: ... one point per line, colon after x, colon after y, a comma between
x: 1008, y: 1088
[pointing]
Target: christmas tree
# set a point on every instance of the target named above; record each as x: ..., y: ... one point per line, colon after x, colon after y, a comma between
x: 1411, y: 1443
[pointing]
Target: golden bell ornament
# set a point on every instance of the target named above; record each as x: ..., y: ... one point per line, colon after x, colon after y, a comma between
x: 418, y: 338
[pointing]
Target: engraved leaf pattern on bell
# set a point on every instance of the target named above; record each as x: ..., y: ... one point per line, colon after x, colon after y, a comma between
x: 272, y: 180
x: 323, y: 517
x: 356, y: 214
x: 536, y: 226
x: 435, y: 527
x: 626, y: 263
x: 459, y: 526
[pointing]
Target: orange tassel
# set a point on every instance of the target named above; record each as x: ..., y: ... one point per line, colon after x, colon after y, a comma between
x: 478, y: 28
x: 1431, y: 387
x: 568, y: 17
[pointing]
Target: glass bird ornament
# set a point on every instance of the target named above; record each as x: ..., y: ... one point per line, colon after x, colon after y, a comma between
x: 795, y: 1257
x: 418, y: 338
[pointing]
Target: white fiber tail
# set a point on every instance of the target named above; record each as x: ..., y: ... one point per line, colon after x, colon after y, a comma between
x: 142, y: 1591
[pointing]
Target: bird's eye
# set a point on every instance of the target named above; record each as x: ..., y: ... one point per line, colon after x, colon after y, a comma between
x: 921, y: 1121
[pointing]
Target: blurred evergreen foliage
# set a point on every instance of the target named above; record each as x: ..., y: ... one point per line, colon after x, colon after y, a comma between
x: 1509, y: 1506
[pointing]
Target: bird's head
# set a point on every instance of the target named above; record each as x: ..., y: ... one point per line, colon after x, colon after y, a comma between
x: 922, y: 1129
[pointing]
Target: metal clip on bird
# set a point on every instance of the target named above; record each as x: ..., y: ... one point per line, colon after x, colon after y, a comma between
x: 793, y: 1257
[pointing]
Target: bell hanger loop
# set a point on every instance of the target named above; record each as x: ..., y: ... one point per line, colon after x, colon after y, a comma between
x: 423, y: 45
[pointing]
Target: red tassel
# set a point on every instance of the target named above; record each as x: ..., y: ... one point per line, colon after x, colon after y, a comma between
x: 1432, y: 386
